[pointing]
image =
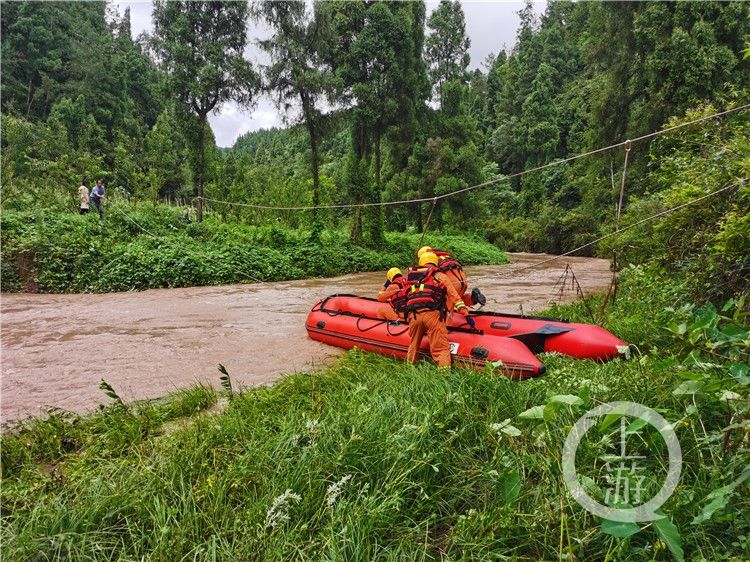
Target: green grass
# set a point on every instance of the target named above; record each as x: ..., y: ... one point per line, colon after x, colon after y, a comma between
x: 140, y: 246
x: 375, y: 459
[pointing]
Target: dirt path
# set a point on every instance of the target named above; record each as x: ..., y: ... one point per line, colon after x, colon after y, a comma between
x: 56, y: 348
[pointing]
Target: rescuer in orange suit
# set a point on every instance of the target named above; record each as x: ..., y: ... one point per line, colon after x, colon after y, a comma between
x: 430, y: 297
x: 454, y: 271
x: 394, y: 283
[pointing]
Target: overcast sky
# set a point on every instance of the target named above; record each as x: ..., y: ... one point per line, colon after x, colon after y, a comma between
x: 491, y: 26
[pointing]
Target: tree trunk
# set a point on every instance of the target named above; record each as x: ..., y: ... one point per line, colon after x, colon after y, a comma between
x: 312, y: 130
x: 376, y: 228
x: 359, y: 140
x: 356, y: 235
x: 315, y: 158
x: 29, y: 97
x: 378, y: 164
x: 201, y: 162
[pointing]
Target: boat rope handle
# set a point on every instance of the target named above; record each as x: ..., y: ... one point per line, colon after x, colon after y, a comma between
x: 377, y: 323
x: 388, y: 329
x: 468, y: 330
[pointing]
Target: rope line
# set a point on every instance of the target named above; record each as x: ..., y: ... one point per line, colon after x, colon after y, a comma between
x: 626, y: 144
x: 622, y: 184
x: 124, y: 214
x: 427, y: 224
x: 552, y: 164
x: 620, y: 230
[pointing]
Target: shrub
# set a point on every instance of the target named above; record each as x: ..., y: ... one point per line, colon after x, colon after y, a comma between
x: 141, y: 246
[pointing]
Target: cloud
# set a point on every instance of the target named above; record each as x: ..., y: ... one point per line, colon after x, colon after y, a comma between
x: 266, y: 119
x: 233, y: 121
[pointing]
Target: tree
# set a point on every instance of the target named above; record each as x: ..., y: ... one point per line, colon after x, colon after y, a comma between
x: 447, y: 47
x: 139, y: 77
x: 383, y: 73
x: 162, y: 158
x: 298, y: 72
x: 540, y: 133
x: 495, y: 66
x: 80, y: 127
x: 201, y: 46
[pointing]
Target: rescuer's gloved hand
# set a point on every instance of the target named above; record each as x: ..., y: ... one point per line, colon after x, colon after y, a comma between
x: 470, y: 322
x: 386, y: 284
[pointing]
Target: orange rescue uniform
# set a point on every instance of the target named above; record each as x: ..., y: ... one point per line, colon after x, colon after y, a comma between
x: 460, y: 283
x: 429, y: 322
x: 385, y: 295
x: 457, y: 276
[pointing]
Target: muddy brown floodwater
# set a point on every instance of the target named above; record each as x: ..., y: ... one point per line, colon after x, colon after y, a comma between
x: 56, y: 348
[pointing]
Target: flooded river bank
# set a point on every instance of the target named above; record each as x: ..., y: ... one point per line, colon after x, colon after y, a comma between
x: 56, y: 348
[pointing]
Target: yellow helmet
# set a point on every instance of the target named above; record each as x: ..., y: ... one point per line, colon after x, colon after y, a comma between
x: 422, y: 250
x: 428, y: 257
x: 392, y: 272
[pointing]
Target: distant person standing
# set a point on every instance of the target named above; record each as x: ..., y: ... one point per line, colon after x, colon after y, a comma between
x: 97, y: 197
x: 83, y: 196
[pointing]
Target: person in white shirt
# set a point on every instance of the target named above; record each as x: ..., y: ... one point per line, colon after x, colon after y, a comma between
x: 83, y: 196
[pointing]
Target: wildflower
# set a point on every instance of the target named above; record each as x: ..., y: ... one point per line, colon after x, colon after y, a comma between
x: 278, y: 513
x: 334, y: 490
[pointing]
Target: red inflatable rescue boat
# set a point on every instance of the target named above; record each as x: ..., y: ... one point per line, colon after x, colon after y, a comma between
x: 340, y: 321
x: 539, y: 334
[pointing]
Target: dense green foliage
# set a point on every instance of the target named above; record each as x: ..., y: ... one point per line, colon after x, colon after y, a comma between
x: 447, y: 47
x: 373, y: 458
x: 709, y: 241
x: 575, y: 80
x: 142, y: 247
x: 82, y: 98
x: 300, y: 71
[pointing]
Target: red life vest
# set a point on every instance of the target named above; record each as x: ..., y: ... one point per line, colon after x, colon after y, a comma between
x: 452, y: 267
x: 421, y: 292
x: 401, y: 282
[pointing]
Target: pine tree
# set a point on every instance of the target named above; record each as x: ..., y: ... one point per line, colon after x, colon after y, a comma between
x: 382, y: 74
x: 299, y: 71
x: 447, y: 46
x: 163, y: 172
x: 201, y: 46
